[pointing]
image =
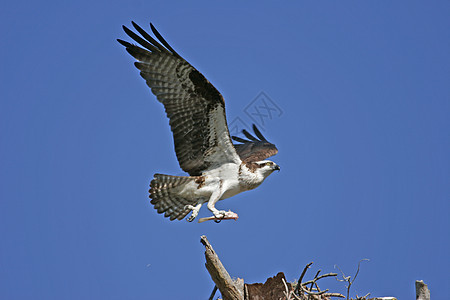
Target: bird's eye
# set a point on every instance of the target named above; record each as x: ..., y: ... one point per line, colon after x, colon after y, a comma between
x: 268, y: 163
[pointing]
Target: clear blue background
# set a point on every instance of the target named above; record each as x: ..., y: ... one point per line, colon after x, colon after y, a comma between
x: 363, y: 139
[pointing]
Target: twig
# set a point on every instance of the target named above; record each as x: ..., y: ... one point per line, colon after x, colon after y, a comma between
x: 312, y: 283
x: 288, y: 293
x: 313, y: 289
x: 320, y: 277
x: 299, y: 283
x: 357, y: 271
x: 348, y: 278
x: 213, y: 293
x: 313, y: 293
x: 338, y: 295
x: 363, y: 297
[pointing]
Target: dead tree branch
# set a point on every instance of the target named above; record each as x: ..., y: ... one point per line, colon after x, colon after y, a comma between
x: 422, y: 291
x: 311, y: 288
x: 278, y: 288
x: 299, y: 282
x: 219, y: 274
x: 211, y: 297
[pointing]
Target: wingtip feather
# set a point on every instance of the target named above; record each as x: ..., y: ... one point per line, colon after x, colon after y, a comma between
x: 249, y: 135
x: 163, y: 41
x: 153, y: 28
x: 258, y: 133
x: 238, y: 139
x: 124, y: 43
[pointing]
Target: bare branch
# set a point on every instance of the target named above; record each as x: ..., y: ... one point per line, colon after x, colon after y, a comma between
x: 312, y: 283
x: 299, y: 283
x: 348, y: 278
x: 357, y: 271
x: 213, y: 293
x: 334, y: 295
x: 320, y: 277
x: 313, y: 293
x: 289, y: 294
x: 219, y: 274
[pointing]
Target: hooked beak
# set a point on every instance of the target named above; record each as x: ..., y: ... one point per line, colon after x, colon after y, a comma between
x: 277, y: 167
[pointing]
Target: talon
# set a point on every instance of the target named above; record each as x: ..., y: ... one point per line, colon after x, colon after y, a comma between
x: 194, y: 209
x: 190, y: 207
x: 220, y: 214
x: 192, y: 216
x: 229, y: 215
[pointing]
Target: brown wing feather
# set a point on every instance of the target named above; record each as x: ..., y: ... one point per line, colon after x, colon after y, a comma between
x: 254, y: 149
x: 196, y: 110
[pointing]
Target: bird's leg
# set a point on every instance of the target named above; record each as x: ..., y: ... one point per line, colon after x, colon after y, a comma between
x: 212, y: 202
x: 195, y: 210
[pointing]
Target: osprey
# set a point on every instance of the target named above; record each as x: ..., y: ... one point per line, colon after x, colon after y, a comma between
x: 218, y: 168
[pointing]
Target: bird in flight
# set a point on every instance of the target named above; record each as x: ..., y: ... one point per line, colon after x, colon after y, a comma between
x: 217, y: 168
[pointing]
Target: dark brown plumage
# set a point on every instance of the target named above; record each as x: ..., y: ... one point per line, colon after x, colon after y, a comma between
x: 254, y: 149
x: 191, y: 102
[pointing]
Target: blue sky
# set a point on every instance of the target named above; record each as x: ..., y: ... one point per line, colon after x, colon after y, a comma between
x: 363, y: 134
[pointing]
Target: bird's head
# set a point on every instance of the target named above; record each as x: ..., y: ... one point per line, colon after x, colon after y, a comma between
x: 266, y: 167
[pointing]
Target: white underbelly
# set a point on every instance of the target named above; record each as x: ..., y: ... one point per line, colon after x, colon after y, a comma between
x: 224, y: 179
x: 233, y: 188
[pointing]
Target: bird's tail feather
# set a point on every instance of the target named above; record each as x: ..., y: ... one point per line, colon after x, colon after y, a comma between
x: 165, y: 198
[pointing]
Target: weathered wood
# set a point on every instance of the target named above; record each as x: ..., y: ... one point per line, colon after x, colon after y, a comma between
x: 273, y: 288
x: 276, y: 287
x: 219, y: 274
x: 422, y: 291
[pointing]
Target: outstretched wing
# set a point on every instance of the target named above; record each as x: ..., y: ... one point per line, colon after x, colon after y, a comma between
x: 254, y: 149
x: 195, y: 108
